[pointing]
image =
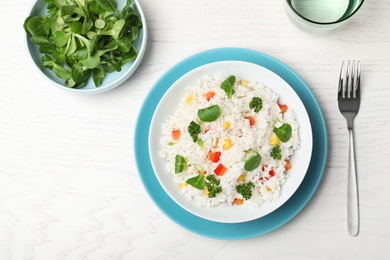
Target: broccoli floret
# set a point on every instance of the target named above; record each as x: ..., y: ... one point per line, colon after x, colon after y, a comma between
x: 276, y: 152
x: 245, y: 189
x: 194, y: 130
x: 213, y: 186
x: 256, y: 104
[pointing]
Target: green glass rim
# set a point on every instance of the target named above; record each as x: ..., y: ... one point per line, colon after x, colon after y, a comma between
x: 345, y: 16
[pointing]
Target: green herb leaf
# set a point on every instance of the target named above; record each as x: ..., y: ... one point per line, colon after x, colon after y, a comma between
x: 283, y: 132
x: 108, y: 5
x: 197, y: 181
x: 209, y: 114
x: 117, y: 30
x: 213, y: 186
x: 200, y: 143
x: 79, y: 74
x: 38, y: 26
x: 256, y: 104
x: 97, y: 76
x: 245, y: 189
x: 227, y: 86
x: 253, y: 161
x: 276, y: 152
x: 40, y: 40
x: 180, y: 163
x: 193, y: 129
x: 91, y: 62
x: 61, y: 38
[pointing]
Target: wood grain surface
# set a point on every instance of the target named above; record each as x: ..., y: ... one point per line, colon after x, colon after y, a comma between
x: 69, y: 186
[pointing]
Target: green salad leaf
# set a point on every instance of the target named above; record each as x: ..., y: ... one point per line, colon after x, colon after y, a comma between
x: 197, y: 181
x: 253, y: 161
x: 227, y: 86
x: 283, y: 132
x: 209, y: 114
x: 180, y: 163
x: 80, y: 38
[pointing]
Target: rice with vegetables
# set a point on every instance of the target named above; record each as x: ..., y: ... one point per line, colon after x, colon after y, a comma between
x: 229, y: 142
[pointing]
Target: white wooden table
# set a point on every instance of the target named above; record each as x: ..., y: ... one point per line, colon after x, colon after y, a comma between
x: 69, y: 187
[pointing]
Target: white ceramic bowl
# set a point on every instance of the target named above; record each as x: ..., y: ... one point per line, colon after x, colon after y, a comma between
x: 111, y: 80
x: 252, y: 72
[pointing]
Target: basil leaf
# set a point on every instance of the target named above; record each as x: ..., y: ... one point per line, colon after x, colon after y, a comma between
x: 209, y: 114
x: 283, y: 132
x: 227, y: 86
x: 180, y: 163
x: 253, y: 161
x: 197, y: 181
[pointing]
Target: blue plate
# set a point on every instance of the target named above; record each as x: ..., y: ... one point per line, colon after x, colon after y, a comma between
x: 252, y: 228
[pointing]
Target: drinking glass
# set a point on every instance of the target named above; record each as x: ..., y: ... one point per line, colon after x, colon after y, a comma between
x: 321, y: 16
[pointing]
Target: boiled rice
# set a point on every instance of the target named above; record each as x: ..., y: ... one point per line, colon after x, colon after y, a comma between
x: 243, y: 137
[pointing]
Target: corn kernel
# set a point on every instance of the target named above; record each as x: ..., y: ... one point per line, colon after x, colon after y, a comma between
x: 189, y: 99
x: 274, y: 140
x: 183, y: 185
x: 206, y: 192
x: 226, y: 124
x: 244, y: 83
x: 268, y: 188
x: 227, y: 144
x: 241, y: 178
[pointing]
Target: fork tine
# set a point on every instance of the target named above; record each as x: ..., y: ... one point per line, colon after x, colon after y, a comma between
x: 348, y: 82
x: 356, y: 90
x: 351, y: 78
x: 341, y: 90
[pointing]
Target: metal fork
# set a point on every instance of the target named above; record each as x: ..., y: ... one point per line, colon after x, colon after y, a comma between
x: 349, y: 103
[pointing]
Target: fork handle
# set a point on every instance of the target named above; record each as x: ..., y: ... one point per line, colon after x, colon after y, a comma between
x: 352, y: 190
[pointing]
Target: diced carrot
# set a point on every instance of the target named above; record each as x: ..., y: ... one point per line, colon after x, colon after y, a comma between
x: 238, y: 201
x: 209, y: 95
x: 282, y: 107
x: 251, y: 120
x: 176, y: 134
x: 220, y: 170
x: 214, y: 156
x: 287, y: 166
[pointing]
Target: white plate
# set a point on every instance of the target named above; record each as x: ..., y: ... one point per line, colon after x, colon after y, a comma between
x: 251, y: 72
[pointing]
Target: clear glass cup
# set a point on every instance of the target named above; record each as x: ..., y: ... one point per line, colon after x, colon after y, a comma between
x: 321, y: 16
